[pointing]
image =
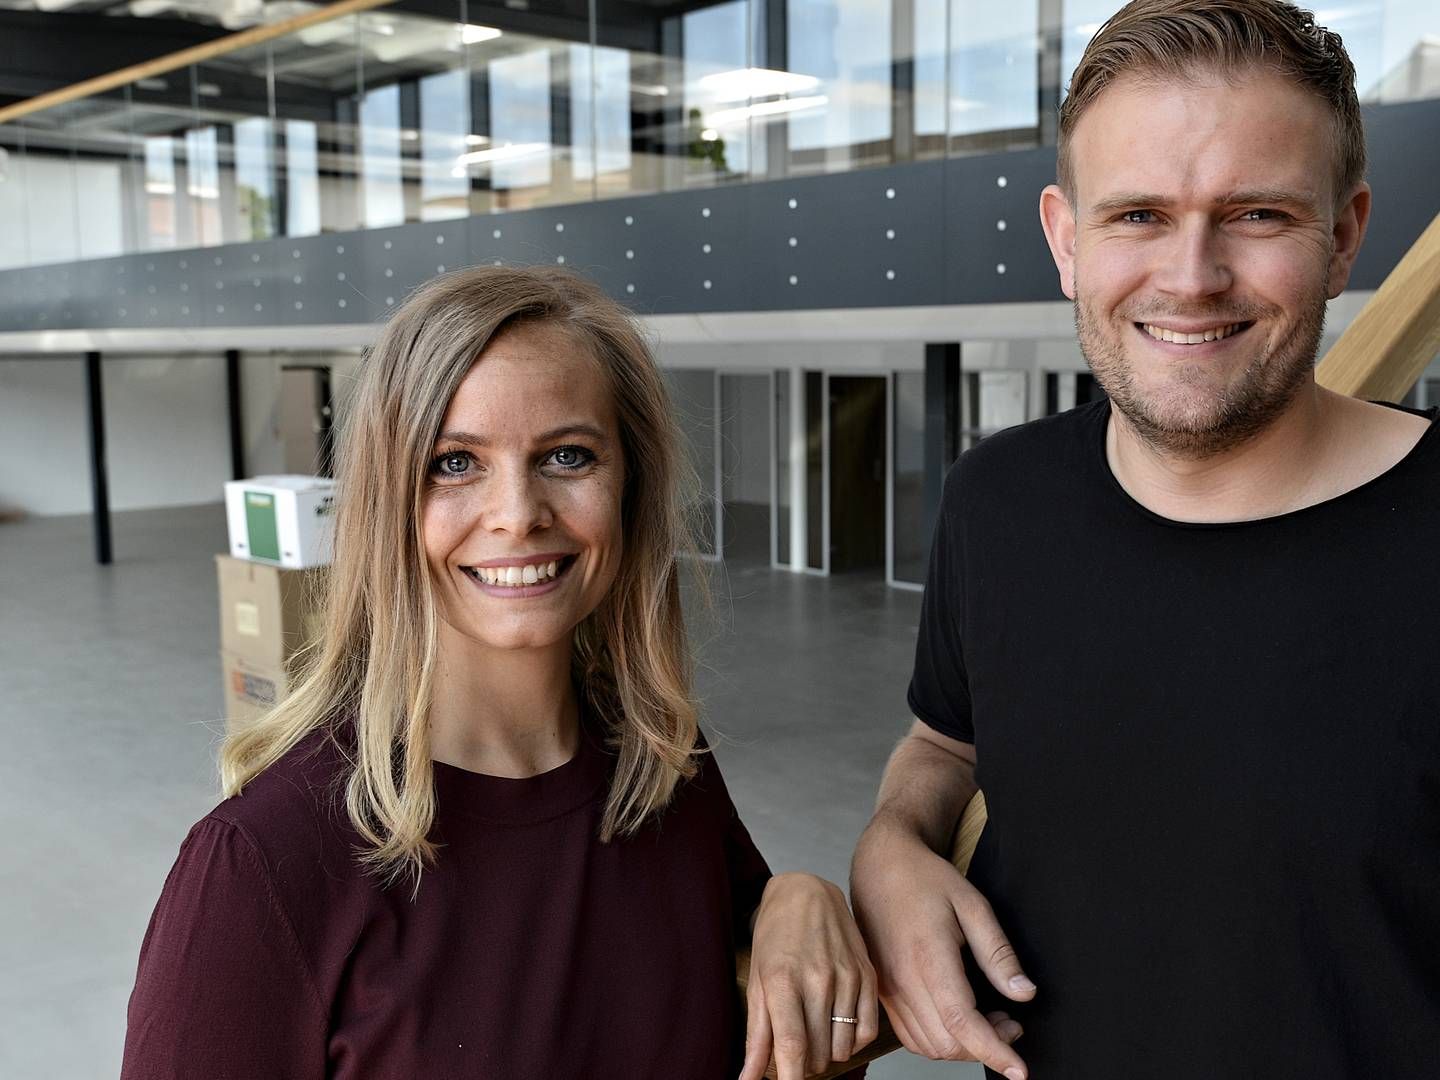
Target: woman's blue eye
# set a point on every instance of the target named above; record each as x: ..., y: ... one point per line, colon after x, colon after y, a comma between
x: 451, y: 465
x: 571, y: 457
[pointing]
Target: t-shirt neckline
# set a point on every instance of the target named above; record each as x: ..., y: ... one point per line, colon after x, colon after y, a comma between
x: 1419, y: 450
x: 525, y: 800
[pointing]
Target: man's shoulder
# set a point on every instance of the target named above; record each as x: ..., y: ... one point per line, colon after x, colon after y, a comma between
x: 1052, y: 449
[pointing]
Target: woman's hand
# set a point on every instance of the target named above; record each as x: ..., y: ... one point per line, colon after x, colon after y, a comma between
x: 807, y: 965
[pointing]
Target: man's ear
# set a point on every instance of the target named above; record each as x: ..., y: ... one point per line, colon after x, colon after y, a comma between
x: 1350, y: 222
x: 1058, y: 220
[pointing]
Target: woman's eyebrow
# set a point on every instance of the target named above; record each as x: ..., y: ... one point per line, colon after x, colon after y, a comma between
x: 469, y: 438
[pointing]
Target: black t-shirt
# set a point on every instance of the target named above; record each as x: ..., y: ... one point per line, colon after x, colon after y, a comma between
x: 1211, y: 754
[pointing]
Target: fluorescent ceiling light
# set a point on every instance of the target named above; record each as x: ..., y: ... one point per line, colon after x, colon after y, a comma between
x: 477, y: 140
x: 652, y: 89
x: 471, y: 34
x: 765, y: 108
x: 743, y: 83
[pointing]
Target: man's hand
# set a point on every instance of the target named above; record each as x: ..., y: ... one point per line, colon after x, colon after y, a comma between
x: 807, y: 964
x: 916, y: 912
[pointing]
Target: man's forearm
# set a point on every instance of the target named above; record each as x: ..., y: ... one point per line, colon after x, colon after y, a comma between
x: 925, y: 790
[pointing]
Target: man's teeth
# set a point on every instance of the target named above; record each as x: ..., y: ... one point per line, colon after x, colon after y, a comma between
x: 1159, y: 333
x: 531, y: 574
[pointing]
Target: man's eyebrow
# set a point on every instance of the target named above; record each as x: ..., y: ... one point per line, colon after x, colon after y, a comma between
x: 1252, y: 197
x: 469, y: 438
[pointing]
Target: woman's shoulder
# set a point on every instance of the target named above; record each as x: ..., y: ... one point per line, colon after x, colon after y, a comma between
x: 292, y: 815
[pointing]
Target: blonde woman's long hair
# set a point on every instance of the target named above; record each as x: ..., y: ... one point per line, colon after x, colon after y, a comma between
x: 373, y: 667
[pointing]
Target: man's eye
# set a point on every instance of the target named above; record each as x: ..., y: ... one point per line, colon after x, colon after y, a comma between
x: 1263, y: 214
x: 1138, y: 217
x: 570, y: 457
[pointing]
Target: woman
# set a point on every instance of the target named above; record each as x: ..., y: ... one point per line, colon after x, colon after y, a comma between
x: 484, y: 837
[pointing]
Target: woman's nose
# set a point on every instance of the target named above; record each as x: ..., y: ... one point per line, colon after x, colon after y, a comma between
x: 516, y: 503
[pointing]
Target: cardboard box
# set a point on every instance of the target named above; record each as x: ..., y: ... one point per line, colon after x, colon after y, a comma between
x: 251, y: 690
x: 282, y: 520
x: 267, y: 613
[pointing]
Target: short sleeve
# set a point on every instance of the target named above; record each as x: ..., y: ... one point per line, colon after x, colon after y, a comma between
x: 940, y: 686
x: 746, y: 868
x: 222, y: 990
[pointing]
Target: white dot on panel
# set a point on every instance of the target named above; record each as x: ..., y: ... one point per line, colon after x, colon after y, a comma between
x: 184, y: 287
x: 122, y: 312
x: 794, y: 241
x: 339, y: 249
x: 295, y: 252
x: 704, y: 211
x: 794, y: 280
x: 299, y: 280
x: 497, y: 262
x: 889, y: 275
x: 705, y: 248
x: 706, y: 283
x: 389, y: 300
x: 219, y: 284
x: 999, y: 268
x: 259, y: 307
x: 184, y: 311
x: 440, y: 269
x: 889, y: 234
x: 340, y: 276
x: 630, y: 288
x: 1000, y: 181
x: 255, y: 282
x: 388, y: 245
x: 150, y: 267
x: 255, y: 257
x: 123, y: 293
x: 152, y: 290
x: 793, y: 204
x: 341, y: 303
x: 496, y: 234
x: 219, y: 261
x: 889, y: 193
x: 299, y: 305
x: 560, y: 259
x: 629, y: 254
x: 1000, y: 224
x: 439, y: 239
x: 220, y: 309
x: 183, y: 264
x: 629, y: 220
x: 152, y: 312
x: 559, y: 226
x: 389, y: 272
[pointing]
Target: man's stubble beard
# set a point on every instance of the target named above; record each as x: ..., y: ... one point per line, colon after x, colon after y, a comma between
x: 1263, y: 392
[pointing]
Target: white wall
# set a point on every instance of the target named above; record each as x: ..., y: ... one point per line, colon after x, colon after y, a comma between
x: 166, y: 425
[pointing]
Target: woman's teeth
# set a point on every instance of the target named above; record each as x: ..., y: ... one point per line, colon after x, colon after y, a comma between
x: 1159, y: 333
x: 514, y: 576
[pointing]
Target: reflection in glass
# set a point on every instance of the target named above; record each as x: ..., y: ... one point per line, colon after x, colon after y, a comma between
x: 383, y: 199
x: 994, y: 76
x: 444, y: 125
x: 159, y: 211
x: 815, y: 470
x: 202, y: 151
x: 989, y: 402
x: 302, y: 177
x: 782, y: 467
x: 254, y: 181
x: 911, y: 544
x: 14, y: 240
x: 715, y: 106
x: 692, y: 394
x: 745, y: 473
x: 843, y: 118
x: 519, y: 122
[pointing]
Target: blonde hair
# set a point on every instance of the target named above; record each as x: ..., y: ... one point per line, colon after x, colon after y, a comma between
x: 374, y: 664
x: 1176, y: 38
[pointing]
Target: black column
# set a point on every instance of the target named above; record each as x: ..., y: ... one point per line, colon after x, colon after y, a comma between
x: 237, y: 417
x: 942, y: 422
x: 99, y: 477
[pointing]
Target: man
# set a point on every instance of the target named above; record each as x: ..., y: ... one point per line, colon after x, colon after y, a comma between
x: 1184, y: 639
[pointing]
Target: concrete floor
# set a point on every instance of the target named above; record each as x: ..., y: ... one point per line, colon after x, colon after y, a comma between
x: 109, y: 707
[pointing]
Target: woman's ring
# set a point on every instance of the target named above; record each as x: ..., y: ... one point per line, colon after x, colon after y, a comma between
x: 844, y: 1020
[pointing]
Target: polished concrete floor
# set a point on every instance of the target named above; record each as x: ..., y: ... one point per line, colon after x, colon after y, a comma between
x: 109, y: 706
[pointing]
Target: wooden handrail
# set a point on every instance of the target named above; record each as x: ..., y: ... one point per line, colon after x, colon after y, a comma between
x: 196, y: 54
x: 1396, y: 334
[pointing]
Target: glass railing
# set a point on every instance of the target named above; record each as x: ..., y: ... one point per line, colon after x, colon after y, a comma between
x: 423, y: 110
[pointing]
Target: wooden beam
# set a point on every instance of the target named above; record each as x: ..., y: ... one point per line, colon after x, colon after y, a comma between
x: 196, y: 54
x: 1397, y: 333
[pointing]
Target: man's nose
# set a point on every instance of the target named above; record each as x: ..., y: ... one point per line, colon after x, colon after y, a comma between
x: 516, y: 502
x: 1195, y: 265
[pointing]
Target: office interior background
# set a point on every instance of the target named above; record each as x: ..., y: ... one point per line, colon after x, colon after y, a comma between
x: 824, y: 210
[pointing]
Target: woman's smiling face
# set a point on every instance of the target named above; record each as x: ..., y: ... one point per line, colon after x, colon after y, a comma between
x: 521, y: 520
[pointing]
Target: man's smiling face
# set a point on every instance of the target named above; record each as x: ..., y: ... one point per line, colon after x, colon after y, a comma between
x: 1200, y: 243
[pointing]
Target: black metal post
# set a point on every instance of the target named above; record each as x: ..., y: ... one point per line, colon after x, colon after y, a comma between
x: 942, y: 422
x: 99, y: 479
x: 237, y: 417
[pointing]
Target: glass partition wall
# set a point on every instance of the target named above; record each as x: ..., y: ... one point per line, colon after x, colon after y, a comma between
x: 424, y: 111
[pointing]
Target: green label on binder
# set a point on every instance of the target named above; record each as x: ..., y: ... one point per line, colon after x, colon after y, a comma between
x: 260, y: 524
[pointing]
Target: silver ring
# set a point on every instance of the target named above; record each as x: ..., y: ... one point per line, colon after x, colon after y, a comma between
x: 843, y: 1020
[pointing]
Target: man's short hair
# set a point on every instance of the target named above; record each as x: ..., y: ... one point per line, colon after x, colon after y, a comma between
x: 1178, y: 38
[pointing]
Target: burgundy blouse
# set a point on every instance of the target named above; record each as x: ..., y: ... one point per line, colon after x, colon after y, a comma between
x: 532, y: 950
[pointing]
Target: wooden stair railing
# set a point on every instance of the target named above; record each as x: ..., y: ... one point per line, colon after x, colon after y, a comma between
x: 1387, y: 346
